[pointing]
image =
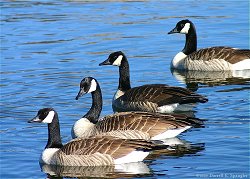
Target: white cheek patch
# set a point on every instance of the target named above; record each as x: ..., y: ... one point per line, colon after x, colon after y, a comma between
x: 93, y: 86
x: 118, y: 61
x: 49, y: 117
x: 185, y: 29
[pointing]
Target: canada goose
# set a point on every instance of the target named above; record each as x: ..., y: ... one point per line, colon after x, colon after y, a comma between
x: 94, y: 151
x: 127, y: 125
x: 152, y: 97
x: 207, y: 59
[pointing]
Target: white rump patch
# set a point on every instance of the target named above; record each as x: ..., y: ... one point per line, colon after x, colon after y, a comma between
x: 177, y: 62
x: 242, y: 65
x: 118, y: 61
x: 47, y: 156
x: 185, y: 29
x: 170, y: 133
x: 81, y: 128
x: 49, y: 117
x: 93, y: 86
x: 135, y: 156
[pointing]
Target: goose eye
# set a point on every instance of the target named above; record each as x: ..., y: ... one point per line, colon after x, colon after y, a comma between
x: 182, y: 25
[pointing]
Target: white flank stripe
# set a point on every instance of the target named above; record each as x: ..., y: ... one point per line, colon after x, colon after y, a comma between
x: 242, y: 65
x: 170, y: 133
x: 135, y: 156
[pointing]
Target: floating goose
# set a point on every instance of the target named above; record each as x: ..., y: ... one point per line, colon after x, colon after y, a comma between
x: 207, y: 59
x: 127, y: 125
x: 93, y: 151
x: 153, y: 97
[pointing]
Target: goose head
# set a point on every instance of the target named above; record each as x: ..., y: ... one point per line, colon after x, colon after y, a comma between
x: 87, y: 85
x: 114, y: 59
x: 45, y: 115
x: 182, y: 27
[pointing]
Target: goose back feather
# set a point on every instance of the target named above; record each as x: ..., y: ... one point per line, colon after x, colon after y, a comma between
x: 152, y: 97
x: 144, y: 125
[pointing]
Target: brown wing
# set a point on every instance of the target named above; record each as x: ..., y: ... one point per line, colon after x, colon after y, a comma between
x: 227, y: 53
x: 105, y: 145
x: 161, y: 95
x: 150, y: 123
x: 154, y: 124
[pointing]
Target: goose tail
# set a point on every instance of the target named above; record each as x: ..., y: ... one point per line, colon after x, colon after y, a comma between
x: 153, y: 145
x: 194, y: 98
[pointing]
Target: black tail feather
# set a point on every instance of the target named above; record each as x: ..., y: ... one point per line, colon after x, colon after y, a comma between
x: 154, y: 145
x: 194, y: 98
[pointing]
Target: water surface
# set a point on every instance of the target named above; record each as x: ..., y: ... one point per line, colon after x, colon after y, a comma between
x: 47, y: 47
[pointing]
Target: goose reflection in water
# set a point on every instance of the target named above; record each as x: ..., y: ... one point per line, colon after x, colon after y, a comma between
x: 127, y: 170
x: 217, y: 78
x: 179, y: 147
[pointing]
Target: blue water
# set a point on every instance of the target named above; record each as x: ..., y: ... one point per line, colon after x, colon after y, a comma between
x: 47, y: 47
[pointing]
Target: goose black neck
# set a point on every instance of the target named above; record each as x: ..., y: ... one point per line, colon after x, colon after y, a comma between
x: 124, y: 79
x: 96, y: 108
x: 54, y: 138
x: 191, y: 41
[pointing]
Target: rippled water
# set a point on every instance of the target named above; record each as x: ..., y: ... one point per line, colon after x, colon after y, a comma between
x: 47, y: 47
